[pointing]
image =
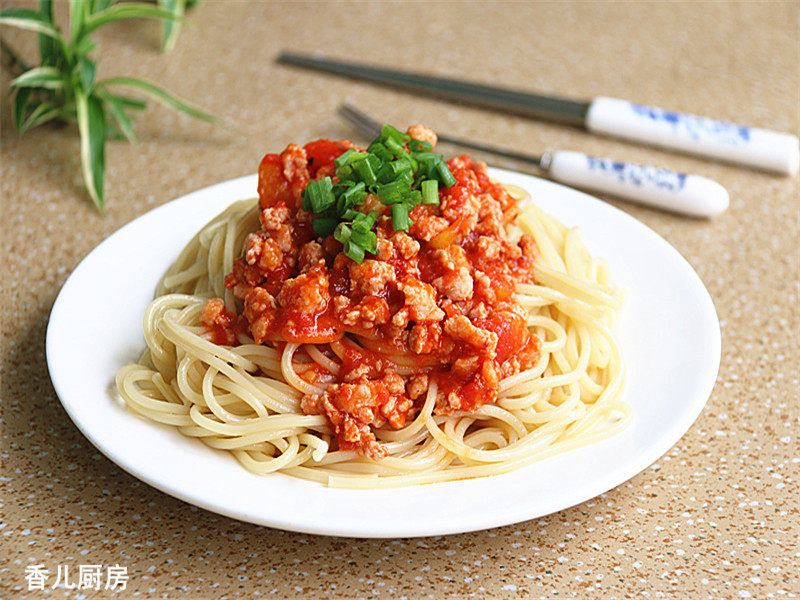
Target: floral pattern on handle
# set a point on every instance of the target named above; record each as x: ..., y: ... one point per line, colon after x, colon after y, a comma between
x: 696, y: 127
x: 638, y: 175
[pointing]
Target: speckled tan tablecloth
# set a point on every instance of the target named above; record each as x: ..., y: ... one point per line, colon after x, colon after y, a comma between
x: 717, y: 517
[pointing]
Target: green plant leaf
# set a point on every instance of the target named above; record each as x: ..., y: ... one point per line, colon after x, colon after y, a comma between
x: 78, y: 12
x: 21, y: 100
x: 118, y: 112
x: 46, y: 9
x: 30, y: 20
x: 48, y: 48
x: 124, y: 10
x: 98, y: 5
x: 126, y: 101
x: 172, y: 28
x: 159, y: 95
x: 83, y: 47
x: 40, y: 77
x: 92, y: 127
x: 68, y: 112
x: 87, y: 69
x: 64, y: 87
x: 46, y: 111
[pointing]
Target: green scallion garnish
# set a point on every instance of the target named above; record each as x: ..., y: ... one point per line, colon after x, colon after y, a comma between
x: 363, y: 168
x: 430, y: 191
x: 444, y: 174
x: 418, y: 146
x: 318, y: 195
x: 393, y: 193
x: 324, y: 226
x: 400, y: 218
x: 401, y: 172
x: 390, y: 133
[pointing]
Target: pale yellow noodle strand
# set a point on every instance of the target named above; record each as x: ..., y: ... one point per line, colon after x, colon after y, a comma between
x: 246, y: 400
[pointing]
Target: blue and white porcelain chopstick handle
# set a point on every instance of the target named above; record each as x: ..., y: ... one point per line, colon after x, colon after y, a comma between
x: 685, y: 194
x: 759, y: 148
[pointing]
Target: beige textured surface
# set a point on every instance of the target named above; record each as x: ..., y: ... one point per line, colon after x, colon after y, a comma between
x: 717, y: 517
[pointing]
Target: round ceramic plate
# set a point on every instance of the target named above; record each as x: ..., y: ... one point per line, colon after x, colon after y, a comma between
x: 669, y: 335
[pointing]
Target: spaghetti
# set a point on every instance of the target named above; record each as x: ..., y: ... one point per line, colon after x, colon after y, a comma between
x: 279, y: 400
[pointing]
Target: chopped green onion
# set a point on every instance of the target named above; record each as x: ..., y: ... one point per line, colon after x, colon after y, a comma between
x: 319, y: 195
x: 355, y: 195
x: 423, y: 156
x: 395, y: 146
x: 364, y: 170
x: 430, y: 191
x: 346, y: 174
x: 407, y: 177
x: 390, y: 133
x: 445, y: 176
x: 365, y: 221
x: 350, y: 157
x: 374, y: 162
x: 401, y: 165
x: 379, y: 150
x: 385, y: 174
x: 344, y: 158
x: 364, y: 238
x: 352, y: 249
x: 400, y: 218
x: 347, y: 165
x: 341, y: 205
x: 341, y: 187
x: 401, y: 178
x: 394, y: 192
x: 427, y: 164
x: 354, y: 252
x: 324, y: 226
x: 418, y: 146
x: 342, y: 233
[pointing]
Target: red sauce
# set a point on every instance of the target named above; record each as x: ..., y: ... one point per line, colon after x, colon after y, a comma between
x: 219, y: 332
x: 219, y: 322
x: 272, y: 185
x: 511, y: 332
x: 321, y: 153
x: 303, y: 328
x: 441, y: 294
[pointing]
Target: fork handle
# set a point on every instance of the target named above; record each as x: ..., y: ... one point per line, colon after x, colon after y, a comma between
x: 691, y: 195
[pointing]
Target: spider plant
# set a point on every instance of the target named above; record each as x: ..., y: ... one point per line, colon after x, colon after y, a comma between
x: 172, y: 27
x: 63, y: 87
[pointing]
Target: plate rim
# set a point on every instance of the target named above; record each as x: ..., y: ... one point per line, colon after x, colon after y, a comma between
x: 675, y: 431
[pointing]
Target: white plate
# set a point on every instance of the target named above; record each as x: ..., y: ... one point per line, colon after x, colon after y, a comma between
x: 670, y: 341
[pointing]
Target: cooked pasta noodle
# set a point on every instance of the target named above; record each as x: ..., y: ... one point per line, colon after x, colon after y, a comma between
x: 245, y: 399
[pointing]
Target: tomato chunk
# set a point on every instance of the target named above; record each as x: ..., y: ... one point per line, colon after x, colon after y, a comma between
x: 272, y: 185
x: 321, y: 153
x: 512, y: 334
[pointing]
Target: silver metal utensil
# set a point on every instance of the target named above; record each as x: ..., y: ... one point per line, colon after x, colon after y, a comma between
x: 751, y: 146
x: 685, y: 194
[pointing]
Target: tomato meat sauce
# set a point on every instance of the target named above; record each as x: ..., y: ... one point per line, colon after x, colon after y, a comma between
x: 438, y: 298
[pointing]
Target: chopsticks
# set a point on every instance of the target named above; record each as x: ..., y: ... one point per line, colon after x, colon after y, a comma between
x: 750, y: 146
